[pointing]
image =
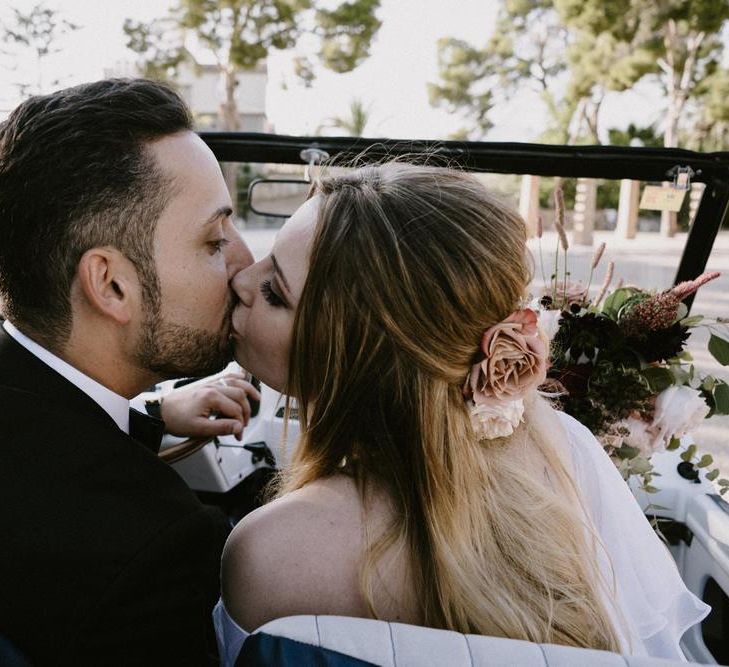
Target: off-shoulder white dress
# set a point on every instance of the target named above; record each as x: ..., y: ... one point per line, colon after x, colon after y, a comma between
x: 653, y: 606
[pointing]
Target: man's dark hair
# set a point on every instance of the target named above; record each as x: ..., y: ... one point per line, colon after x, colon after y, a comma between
x: 75, y: 174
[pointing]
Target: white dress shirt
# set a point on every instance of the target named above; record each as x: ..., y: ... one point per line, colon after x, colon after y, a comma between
x: 116, y: 406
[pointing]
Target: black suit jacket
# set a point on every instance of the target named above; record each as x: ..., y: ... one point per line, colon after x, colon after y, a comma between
x: 106, y: 557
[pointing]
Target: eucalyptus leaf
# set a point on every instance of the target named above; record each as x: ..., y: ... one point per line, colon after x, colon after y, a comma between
x: 650, y: 489
x: 709, y: 383
x: 689, y: 453
x: 721, y: 398
x: 692, y: 321
x: 711, y: 476
x: 640, y: 465
x: 615, y: 301
x: 658, y: 378
x: 705, y: 461
x: 626, y: 453
x: 719, y: 348
x: 674, y: 443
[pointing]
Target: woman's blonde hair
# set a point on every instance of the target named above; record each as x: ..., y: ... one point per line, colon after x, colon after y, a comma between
x: 409, y: 266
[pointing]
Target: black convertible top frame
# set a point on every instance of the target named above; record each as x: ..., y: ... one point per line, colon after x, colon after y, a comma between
x: 611, y: 162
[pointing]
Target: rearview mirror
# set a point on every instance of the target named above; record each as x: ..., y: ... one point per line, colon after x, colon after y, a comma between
x: 277, y: 198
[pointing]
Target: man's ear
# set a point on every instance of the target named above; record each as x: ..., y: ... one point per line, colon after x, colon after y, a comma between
x: 109, y: 283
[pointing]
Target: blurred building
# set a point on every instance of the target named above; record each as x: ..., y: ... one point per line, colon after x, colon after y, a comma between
x: 202, y: 87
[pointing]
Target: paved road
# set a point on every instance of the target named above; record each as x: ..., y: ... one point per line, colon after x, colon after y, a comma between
x: 649, y: 261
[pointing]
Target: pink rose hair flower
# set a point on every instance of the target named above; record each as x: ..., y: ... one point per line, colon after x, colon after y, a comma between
x: 515, y: 360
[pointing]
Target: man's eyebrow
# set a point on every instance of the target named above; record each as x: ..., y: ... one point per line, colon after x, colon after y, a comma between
x: 277, y: 269
x: 222, y: 212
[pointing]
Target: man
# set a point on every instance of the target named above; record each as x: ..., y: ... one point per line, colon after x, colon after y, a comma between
x: 116, y: 250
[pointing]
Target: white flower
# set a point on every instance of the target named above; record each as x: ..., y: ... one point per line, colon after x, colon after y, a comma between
x: 640, y: 435
x: 678, y: 411
x: 496, y: 420
x: 549, y: 322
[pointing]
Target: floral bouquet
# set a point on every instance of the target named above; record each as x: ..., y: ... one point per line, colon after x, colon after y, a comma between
x: 619, y: 365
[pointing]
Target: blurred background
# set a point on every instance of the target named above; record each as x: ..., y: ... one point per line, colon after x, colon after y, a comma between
x: 625, y: 72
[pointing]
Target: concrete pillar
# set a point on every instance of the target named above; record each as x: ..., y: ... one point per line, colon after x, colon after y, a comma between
x: 669, y: 220
x: 697, y: 192
x: 583, y: 221
x: 627, y: 224
x: 529, y: 202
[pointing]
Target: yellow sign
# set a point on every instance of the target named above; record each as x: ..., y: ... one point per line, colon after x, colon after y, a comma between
x: 657, y: 198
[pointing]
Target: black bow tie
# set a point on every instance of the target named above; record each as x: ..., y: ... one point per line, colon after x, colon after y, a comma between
x: 146, y: 430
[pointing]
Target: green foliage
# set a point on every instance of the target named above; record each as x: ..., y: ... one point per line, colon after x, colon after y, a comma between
x: 634, y: 135
x: 705, y: 461
x: 689, y: 453
x: 658, y: 378
x: 164, y: 54
x: 674, y: 443
x: 720, y: 396
x: 353, y: 124
x: 240, y: 33
x: 460, y: 89
x: 526, y: 48
x: 546, y: 191
x: 719, y: 348
x: 609, y: 46
x: 36, y: 31
x: 612, y: 305
x: 347, y: 33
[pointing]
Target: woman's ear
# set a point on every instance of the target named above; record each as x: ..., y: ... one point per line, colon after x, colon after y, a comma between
x: 108, y: 282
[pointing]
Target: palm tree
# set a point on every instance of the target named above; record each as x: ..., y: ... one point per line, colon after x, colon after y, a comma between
x: 354, y: 123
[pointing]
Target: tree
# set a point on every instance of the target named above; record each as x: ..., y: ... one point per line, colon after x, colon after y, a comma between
x: 675, y: 41
x: 634, y: 135
x: 37, y: 32
x: 709, y: 126
x: 353, y: 124
x: 609, y: 46
x: 238, y: 35
x: 526, y: 49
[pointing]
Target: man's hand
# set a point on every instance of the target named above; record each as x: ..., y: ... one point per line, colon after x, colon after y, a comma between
x: 188, y: 412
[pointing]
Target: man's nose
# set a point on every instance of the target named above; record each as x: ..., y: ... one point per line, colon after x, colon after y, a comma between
x: 238, y: 254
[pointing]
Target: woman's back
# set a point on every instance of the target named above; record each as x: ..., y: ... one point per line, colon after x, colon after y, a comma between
x: 303, y: 554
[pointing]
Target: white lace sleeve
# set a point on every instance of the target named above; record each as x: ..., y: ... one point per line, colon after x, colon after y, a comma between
x: 656, y: 606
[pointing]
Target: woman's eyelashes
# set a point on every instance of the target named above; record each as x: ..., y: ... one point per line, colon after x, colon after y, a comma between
x: 217, y: 245
x: 270, y: 295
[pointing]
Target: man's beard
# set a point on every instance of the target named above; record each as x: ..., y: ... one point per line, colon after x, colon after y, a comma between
x: 176, y: 351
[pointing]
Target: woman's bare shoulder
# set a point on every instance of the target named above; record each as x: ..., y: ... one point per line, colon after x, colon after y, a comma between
x: 297, y: 555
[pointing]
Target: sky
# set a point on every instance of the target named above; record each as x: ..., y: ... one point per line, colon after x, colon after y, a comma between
x: 392, y: 82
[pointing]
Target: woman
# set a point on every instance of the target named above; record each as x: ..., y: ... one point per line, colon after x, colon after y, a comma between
x: 431, y: 484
